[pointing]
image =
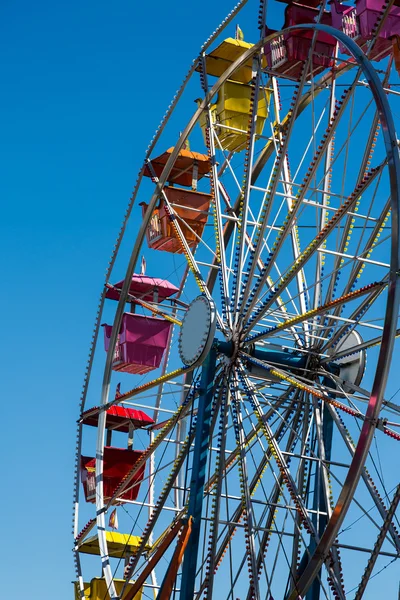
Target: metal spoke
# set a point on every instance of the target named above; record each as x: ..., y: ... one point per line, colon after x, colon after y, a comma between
x: 312, y: 247
x: 378, y: 544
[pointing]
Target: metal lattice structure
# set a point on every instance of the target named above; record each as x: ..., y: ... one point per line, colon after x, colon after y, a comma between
x: 240, y: 423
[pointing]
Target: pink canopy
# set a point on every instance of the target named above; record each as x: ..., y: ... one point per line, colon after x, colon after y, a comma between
x: 143, y: 287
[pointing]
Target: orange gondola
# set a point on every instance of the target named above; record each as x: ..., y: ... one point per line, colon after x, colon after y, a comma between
x: 191, y: 213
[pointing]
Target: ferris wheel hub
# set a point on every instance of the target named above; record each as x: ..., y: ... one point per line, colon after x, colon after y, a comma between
x: 198, y: 331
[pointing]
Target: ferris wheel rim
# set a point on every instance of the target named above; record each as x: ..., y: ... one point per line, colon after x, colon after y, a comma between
x: 165, y: 176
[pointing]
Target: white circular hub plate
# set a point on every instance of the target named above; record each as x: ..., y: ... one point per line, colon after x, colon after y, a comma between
x: 197, y: 331
x: 351, y: 367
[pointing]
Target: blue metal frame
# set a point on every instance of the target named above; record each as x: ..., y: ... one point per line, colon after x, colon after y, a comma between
x: 289, y: 359
x: 319, y: 501
x: 200, y: 454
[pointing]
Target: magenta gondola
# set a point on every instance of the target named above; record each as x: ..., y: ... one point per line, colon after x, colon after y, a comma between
x: 359, y: 22
x: 288, y: 52
x: 140, y: 345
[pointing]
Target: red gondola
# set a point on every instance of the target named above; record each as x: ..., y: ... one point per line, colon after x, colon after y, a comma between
x: 117, y: 464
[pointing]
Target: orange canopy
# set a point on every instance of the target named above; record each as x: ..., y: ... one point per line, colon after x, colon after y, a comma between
x: 182, y: 171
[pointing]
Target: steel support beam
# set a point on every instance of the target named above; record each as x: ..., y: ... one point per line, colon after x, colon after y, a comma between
x: 292, y: 360
x: 200, y: 455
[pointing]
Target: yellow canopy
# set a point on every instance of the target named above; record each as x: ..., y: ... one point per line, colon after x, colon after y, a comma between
x: 119, y: 544
x: 225, y: 54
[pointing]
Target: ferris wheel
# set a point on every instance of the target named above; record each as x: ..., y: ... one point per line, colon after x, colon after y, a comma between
x: 239, y: 427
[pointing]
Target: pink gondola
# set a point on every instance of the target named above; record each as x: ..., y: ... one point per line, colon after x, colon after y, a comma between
x: 288, y: 52
x: 141, y: 343
x: 359, y: 22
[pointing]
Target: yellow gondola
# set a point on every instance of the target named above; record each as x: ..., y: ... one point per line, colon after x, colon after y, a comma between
x: 97, y: 589
x: 233, y: 107
x: 231, y: 114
